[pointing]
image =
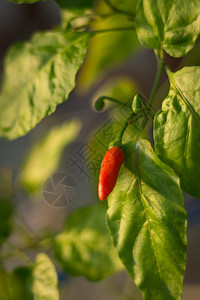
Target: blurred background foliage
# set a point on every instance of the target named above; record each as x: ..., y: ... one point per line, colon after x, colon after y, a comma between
x: 105, y: 50
x: 44, y: 156
x: 76, y: 234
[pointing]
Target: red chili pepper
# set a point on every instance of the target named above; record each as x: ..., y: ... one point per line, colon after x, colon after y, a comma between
x: 110, y: 167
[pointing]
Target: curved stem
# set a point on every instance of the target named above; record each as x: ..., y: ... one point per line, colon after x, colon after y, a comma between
x: 125, y: 126
x: 99, y: 104
x: 112, y: 100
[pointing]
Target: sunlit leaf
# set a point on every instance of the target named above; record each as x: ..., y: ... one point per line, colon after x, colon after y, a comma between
x: 147, y: 222
x: 169, y: 25
x: 71, y: 20
x: 177, y: 128
x: 35, y: 282
x: 44, y: 279
x: 39, y: 75
x: 84, y: 247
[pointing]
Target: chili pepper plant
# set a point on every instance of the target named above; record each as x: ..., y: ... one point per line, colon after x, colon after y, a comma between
x: 142, y: 224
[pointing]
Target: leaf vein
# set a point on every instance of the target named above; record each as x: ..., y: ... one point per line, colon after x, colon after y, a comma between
x: 174, y: 258
x: 145, y: 223
x: 49, y: 61
x: 187, y: 137
x: 148, y: 223
x: 187, y: 103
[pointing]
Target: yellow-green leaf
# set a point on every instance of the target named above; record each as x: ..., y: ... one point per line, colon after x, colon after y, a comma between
x: 44, y: 157
x: 84, y: 246
x: 177, y: 128
x: 147, y: 222
x: 172, y: 25
x: 39, y: 75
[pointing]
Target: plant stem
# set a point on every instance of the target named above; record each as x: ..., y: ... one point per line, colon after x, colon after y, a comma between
x: 160, y: 68
x: 16, y: 251
x: 99, y: 104
x: 111, y: 99
x: 125, y: 126
x: 156, y: 81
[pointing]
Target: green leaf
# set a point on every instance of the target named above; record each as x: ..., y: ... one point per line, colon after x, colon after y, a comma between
x: 39, y: 75
x: 147, y: 222
x: 26, y: 1
x: 71, y: 19
x: 105, y: 49
x: 20, y: 284
x: 5, y: 292
x: 84, y: 247
x: 36, y: 282
x: 44, y: 157
x: 44, y: 279
x: 16, y: 285
x: 169, y: 25
x: 177, y: 128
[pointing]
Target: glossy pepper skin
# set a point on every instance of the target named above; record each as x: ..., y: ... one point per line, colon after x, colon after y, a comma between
x: 110, y: 167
